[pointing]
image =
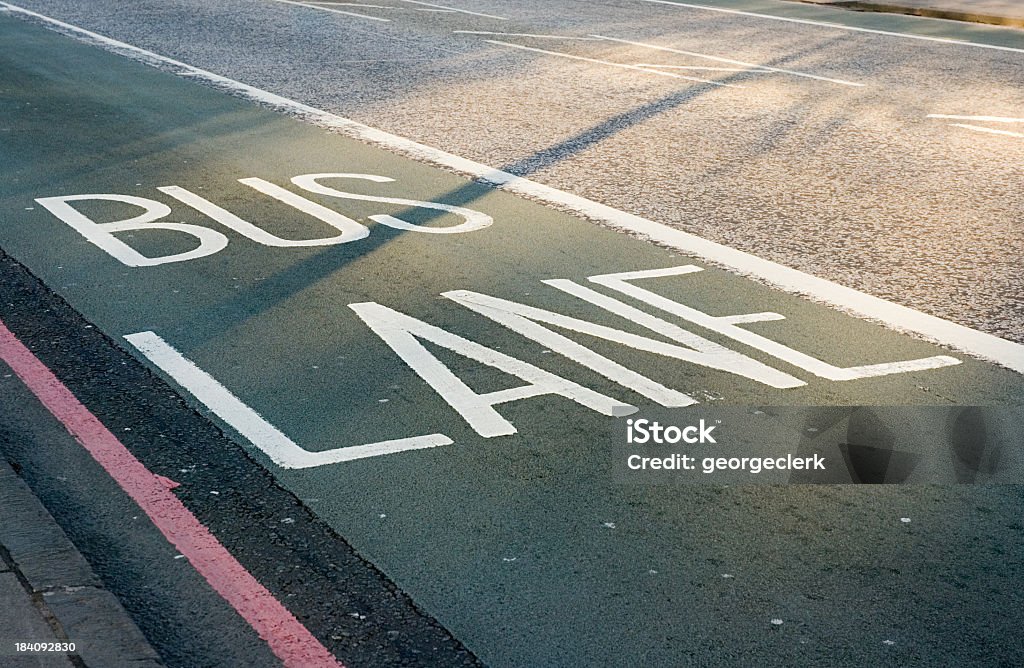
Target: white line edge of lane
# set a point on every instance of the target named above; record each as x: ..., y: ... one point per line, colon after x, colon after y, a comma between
x: 335, y: 3
x: 332, y: 11
x: 719, y: 59
x: 455, y: 9
x: 608, y: 62
x: 900, y: 318
x: 702, y: 67
x: 525, y: 34
x: 984, y: 119
x: 991, y: 131
x: 266, y: 437
x: 839, y: 26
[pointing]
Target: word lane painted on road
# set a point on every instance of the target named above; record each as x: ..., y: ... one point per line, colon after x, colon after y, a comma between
x: 405, y: 334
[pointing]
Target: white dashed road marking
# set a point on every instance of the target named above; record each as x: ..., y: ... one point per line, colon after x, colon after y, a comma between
x: 992, y: 131
x: 455, y: 9
x: 729, y: 61
x: 838, y: 26
x: 525, y: 34
x: 982, y: 119
x: 607, y: 62
x: 332, y: 10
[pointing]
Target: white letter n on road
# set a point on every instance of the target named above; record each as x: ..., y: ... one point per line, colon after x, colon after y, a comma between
x: 729, y: 326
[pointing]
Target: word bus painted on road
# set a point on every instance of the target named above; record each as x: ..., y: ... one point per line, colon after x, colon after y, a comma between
x: 212, y: 241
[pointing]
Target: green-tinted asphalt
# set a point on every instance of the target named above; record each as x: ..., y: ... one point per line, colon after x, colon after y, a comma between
x: 523, y: 546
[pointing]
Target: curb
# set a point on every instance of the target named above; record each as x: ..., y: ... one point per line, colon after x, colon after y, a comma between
x: 52, y: 594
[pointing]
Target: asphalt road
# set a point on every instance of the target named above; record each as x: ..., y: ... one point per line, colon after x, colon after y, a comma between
x: 852, y: 183
x: 510, y: 530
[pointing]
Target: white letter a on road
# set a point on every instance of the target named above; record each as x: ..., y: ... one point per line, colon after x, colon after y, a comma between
x: 401, y: 332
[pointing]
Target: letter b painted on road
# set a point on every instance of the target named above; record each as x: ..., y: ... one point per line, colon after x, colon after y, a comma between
x: 102, y: 234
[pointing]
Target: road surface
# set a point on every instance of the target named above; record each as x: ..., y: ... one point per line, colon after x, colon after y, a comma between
x: 429, y: 373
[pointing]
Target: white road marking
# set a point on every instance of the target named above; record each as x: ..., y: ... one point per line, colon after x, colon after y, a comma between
x: 383, y: 60
x: 766, y: 316
x: 402, y: 334
x: 455, y: 9
x: 333, y: 11
x: 701, y: 67
x: 727, y: 326
x: 607, y: 62
x: 525, y: 34
x: 473, y: 220
x: 349, y: 229
x: 839, y: 26
x: 983, y: 119
x: 346, y: 4
x: 102, y: 234
x: 900, y: 318
x: 991, y: 131
x: 265, y: 436
x: 729, y: 60
x: 694, y: 349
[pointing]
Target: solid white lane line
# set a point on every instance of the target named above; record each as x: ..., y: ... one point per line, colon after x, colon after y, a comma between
x: 900, y: 318
x: 455, y: 9
x: 839, y: 26
x: 729, y: 60
x: 384, y: 60
x: 983, y: 119
x: 333, y: 11
x: 247, y: 422
x: 991, y: 131
x: 607, y: 62
x: 525, y: 34
x: 346, y: 4
x: 701, y: 67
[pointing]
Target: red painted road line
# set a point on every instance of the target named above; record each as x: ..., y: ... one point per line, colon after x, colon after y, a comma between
x: 287, y: 637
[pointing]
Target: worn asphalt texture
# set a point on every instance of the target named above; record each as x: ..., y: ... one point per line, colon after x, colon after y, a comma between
x: 522, y: 548
x: 855, y: 185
